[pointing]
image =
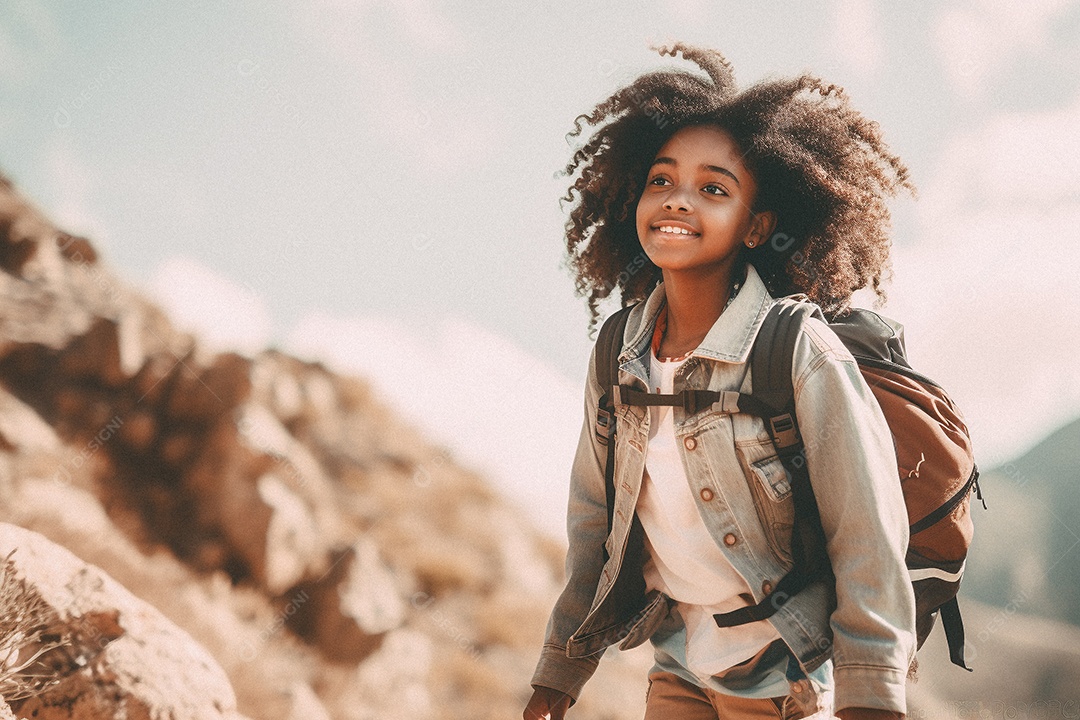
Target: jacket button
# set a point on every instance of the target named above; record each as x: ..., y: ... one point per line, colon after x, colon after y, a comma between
x: 730, y: 539
x: 797, y: 687
x: 690, y: 443
x: 766, y: 587
x: 706, y: 494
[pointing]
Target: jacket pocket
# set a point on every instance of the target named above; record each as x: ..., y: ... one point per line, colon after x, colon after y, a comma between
x: 647, y: 621
x: 773, y: 478
x: 771, y: 488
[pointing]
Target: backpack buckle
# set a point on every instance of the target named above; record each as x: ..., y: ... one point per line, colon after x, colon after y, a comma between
x: 604, y: 424
x: 784, y: 431
x: 689, y: 402
x: 694, y: 401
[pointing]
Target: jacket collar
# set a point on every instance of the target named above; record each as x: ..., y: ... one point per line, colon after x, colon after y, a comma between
x: 732, y: 335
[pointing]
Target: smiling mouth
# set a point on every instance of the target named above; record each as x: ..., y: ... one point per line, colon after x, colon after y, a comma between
x: 674, y: 231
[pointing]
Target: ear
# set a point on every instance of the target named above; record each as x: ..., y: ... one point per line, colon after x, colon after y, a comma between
x: 761, y: 228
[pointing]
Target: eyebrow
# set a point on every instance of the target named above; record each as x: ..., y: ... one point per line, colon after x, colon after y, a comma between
x: 710, y: 168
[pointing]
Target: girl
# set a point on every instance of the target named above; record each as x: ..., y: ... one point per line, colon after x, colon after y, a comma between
x: 702, y: 203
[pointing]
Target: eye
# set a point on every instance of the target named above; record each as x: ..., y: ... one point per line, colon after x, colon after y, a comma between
x: 714, y: 190
x: 658, y: 180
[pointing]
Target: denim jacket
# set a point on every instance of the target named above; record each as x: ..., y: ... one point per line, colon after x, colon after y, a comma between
x: 867, y: 626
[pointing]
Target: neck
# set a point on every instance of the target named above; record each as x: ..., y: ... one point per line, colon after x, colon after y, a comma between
x: 694, y: 302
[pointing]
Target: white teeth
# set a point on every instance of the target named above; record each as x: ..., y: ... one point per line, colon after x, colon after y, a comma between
x: 675, y: 230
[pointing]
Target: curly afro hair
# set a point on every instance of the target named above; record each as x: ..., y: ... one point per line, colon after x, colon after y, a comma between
x: 820, y: 166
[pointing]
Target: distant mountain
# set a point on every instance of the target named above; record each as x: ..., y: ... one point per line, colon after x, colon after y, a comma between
x: 1026, y: 552
x: 1023, y: 667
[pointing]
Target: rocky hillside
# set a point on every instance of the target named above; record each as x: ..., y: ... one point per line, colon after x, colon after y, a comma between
x: 330, y: 561
x: 195, y: 535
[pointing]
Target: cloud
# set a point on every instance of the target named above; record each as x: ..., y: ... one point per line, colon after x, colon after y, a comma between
x: 858, y: 35
x: 990, y: 312
x: 686, y: 12
x: 418, y: 80
x: 979, y: 38
x: 72, y: 184
x: 348, y: 26
x: 223, y: 313
x: 28, y: 39
x: 1014, y: 162
x: 498, y: 408
x: 989, y: 293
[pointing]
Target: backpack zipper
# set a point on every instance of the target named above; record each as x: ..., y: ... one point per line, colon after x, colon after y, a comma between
x: 893, y: 367
x: 949, y: 505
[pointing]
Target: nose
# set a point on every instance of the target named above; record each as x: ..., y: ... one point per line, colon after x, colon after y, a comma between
x: 676, y: 200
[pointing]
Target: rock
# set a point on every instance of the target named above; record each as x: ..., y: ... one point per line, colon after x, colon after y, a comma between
x: 320, y: 393
x: 275, y: 385
x: 16, y: 249
x: 152, y: 380
x: 178, y: 448
x: 224, y: 476
x: 352, y: 606
x: 129, y: 340
x: 305, y: 704
x: 138, y: 430
x: 68, y: 402
x: 234, y: 624
x: 15, y: 254
x: 400, y: 689
x: 207, y: 394
x: 294, y: 462
x: 138, y: 663
x: 369, y: 594
x: 225, y: 479
x: 21, y: 427
x: 266, y: 494
x: 95, y: 354
x: 303, y: 472
x: 292, y: 538
x: 287, y: 396
x: 76, y: 248
x: 261, y: 430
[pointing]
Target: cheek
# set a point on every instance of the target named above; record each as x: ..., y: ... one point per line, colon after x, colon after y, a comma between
x: 644, y: 210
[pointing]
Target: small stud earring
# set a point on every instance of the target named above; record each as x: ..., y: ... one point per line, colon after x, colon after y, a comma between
x: 750, y: 244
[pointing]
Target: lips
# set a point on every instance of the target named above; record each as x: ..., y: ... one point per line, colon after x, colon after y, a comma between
x: 675, y: 228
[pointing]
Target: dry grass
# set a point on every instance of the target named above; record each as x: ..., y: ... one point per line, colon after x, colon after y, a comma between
x: 467, y: 686
x: 27, y: 632
x: 512, y: 620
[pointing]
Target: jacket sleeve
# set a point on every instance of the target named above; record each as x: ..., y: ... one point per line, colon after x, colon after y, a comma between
x: 586, y: 528
x: 852, y: 463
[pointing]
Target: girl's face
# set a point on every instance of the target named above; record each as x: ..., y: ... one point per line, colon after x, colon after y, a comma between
x: 694, y: 214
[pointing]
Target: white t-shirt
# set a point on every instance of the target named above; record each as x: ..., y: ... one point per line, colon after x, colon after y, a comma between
x: 684, y: 562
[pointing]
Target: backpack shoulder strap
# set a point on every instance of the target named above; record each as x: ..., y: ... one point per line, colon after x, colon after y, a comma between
x: 773, y: 396
x: 772, y: 357
x: 608, y: 346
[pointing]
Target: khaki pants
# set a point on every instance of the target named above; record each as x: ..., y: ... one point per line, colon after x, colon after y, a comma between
x: 672, y: 698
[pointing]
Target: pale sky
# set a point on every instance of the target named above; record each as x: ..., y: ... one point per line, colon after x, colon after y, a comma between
x: 373, y: 183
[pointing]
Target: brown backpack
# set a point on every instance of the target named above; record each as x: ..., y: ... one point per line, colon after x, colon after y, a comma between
x: 937, y: 471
